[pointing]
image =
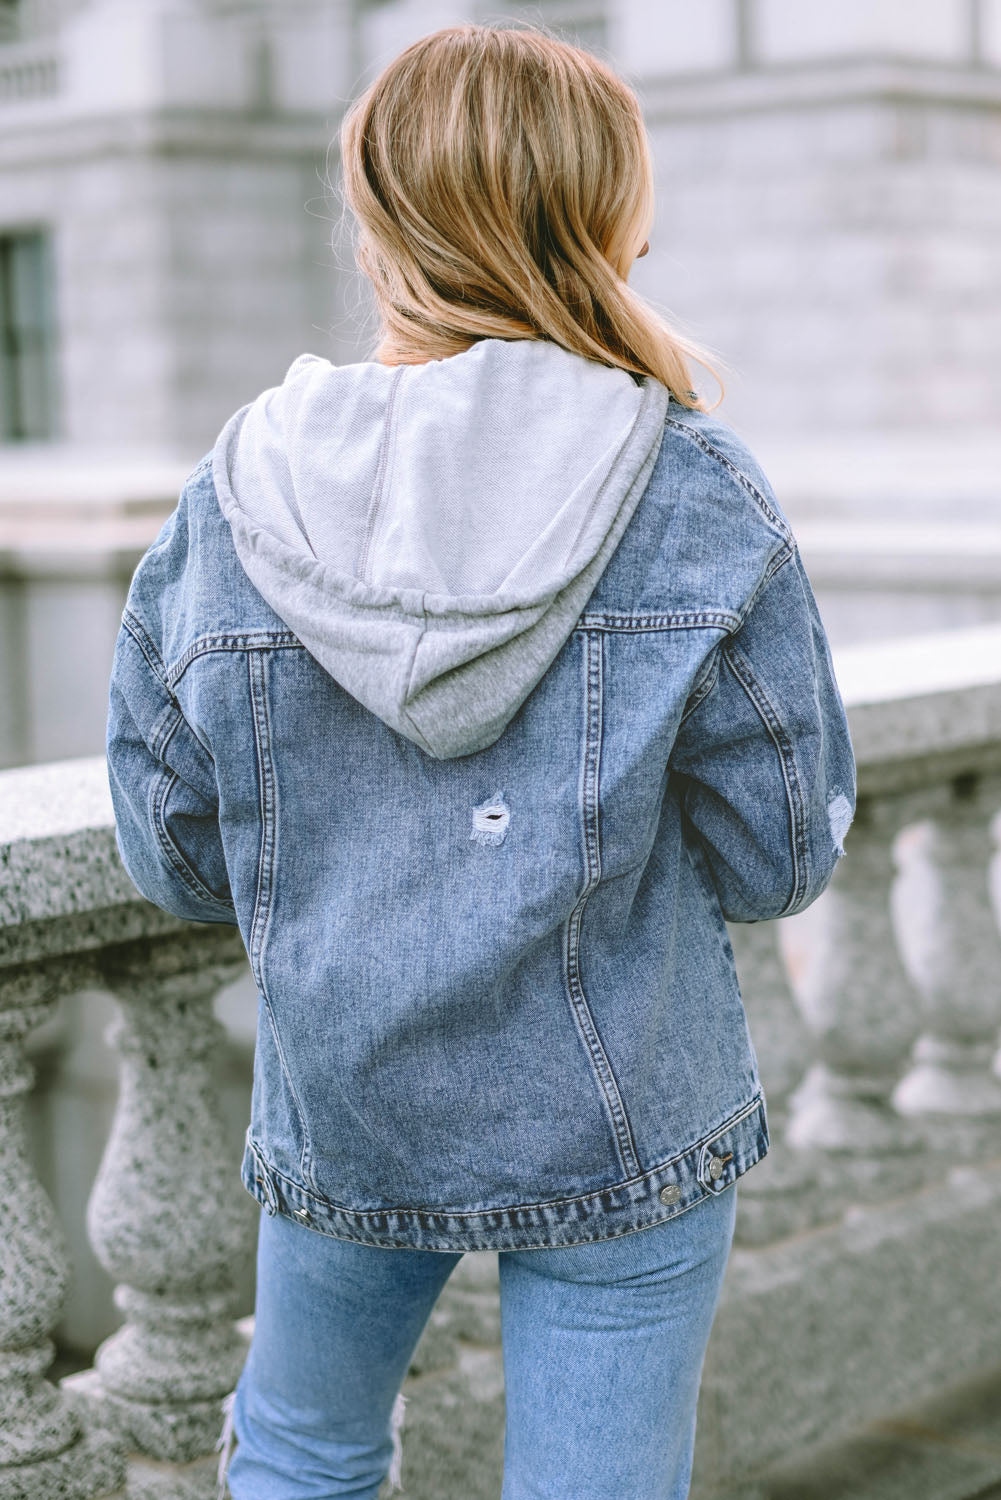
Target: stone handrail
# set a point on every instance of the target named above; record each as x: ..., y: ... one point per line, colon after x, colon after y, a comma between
x: 876, y: 1015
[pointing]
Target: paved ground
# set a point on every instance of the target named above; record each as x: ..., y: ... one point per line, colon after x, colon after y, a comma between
x: 949, y: 1449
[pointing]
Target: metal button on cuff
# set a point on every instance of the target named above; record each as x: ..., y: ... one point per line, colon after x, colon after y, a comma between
x: 671, y: 1193
x: 716, y: 1165
x: 303, y: 1215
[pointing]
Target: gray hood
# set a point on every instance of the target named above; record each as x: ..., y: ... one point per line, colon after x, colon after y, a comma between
x: 432, y: 533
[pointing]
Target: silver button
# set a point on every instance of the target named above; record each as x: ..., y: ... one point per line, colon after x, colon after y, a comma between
x: 671, y: 1193
x: 303, y: 1215
x: 715, y: 1168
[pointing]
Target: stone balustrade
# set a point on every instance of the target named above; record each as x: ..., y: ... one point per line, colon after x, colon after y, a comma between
x: 863, y: 1274
x: 167, y: 1216
x: 28, y: 71
x: 863, y: 1278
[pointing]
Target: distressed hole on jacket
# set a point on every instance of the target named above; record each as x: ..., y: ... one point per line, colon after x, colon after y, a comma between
x: 490, y: 820
x: 839, y: 813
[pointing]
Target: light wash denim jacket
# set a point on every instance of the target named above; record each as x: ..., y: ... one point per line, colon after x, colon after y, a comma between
x: 480, y: 776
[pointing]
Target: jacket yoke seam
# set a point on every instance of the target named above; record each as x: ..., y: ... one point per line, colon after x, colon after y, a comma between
x: 241, y: 640
x: 685, y: 619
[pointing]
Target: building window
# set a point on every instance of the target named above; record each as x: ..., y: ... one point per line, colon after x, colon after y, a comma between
x: 27, y: 393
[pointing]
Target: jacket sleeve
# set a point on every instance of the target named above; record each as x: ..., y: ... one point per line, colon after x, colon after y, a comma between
x: 763, y: 759
x: 163, y: 789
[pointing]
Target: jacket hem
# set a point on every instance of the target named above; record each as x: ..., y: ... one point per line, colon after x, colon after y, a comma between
x: 706, y: 1167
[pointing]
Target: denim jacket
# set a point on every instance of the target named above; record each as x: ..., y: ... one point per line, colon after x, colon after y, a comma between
x: 498, y: 1006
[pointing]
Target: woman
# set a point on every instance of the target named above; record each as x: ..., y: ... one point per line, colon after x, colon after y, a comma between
x: 478, y: 684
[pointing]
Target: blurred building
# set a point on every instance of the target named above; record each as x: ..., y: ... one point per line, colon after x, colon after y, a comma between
x: 828, y: 219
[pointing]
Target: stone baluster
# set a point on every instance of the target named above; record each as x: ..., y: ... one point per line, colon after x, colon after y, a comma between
x: 771, y: 1202
x: 858, y: 1001
x: 168, y: 1218
x: 951, y: 945
x: 781, y: 1040
x: 45, y: 1447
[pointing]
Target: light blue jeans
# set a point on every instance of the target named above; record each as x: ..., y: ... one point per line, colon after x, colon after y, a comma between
x: 603, y: 1346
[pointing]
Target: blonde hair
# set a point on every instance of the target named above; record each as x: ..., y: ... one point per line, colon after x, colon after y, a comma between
x: 502, y: 182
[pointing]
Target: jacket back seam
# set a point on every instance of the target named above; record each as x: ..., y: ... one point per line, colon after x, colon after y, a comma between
x: 589, y: 807
x: 260, y: 921
x: 696, y: 856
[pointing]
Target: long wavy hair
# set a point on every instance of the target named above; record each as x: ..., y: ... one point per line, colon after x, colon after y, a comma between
x: 501, y: 182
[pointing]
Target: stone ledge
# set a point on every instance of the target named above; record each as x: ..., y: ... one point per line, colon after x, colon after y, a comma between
x: 823, y: 1297
x: 63, y: 888
x: 923, y: 708
x: 815, y: 84
x: 946, y: 1449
